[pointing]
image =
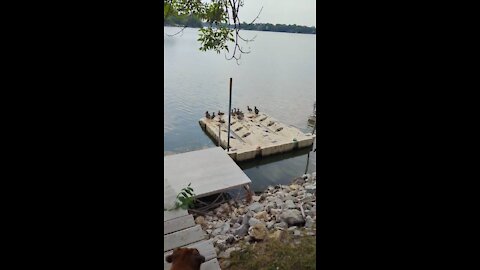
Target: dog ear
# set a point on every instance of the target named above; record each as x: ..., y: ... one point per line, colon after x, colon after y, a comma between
x: 201, y: 259
x: 195, y: 252
x: 169, y: 258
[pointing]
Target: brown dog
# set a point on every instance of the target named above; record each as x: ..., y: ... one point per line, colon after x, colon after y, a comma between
x: 185, y: 259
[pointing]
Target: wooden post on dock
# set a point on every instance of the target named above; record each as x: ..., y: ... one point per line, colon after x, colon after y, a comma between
x: 229, y: 116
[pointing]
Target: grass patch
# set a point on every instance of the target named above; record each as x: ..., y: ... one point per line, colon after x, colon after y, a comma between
x: 275, y: 254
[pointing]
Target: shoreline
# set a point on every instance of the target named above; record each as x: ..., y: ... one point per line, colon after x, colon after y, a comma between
x: 278, y: 212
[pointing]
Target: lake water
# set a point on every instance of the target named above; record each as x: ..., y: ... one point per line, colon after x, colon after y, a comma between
x: 278, y: 76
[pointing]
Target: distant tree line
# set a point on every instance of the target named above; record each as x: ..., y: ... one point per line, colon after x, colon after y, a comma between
x: 195, y: 22
x: 185, y: 20
x: 279, y: 28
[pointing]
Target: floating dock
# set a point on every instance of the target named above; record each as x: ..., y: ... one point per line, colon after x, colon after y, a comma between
x: 255, y: 135
x: 209, y: 171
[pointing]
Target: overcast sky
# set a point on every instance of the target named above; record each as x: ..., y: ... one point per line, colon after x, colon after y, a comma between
x: 300, y: 12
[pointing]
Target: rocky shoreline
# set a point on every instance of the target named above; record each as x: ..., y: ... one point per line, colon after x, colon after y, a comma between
x: 280, y: 210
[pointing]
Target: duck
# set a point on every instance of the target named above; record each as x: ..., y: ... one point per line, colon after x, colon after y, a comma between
x: 207, y: 115
x: 256, y: 110
x: 220, y: 113
x: 213, y: 115
x: 249, y: 109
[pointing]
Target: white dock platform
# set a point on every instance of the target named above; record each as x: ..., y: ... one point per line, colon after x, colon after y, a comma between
x: 255, y: 135
x: 209, y: 171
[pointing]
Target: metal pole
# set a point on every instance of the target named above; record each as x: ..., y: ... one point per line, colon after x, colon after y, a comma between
x: 219, y: 133
x: 229, y: 115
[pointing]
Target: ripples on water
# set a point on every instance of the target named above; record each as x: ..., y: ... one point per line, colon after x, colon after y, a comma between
x: 278, y: 76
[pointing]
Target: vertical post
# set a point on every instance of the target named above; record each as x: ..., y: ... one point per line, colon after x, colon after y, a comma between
x: 219, y: 133
x: 229, y: 115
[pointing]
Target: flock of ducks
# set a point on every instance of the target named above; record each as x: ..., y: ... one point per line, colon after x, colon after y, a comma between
x: 235, y: 112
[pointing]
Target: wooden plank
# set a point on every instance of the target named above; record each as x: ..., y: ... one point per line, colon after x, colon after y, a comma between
x: 167, y: 215
x: 205, y: 248
x: 178, y: 224
x: 182, y: 238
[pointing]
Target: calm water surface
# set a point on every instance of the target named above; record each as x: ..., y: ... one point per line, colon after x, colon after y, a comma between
x: 278, y: 77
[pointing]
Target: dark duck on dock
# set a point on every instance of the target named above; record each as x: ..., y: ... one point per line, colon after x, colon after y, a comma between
x: 249, y: 109
x: 213, y: 115
x: 256, y: 110
x: 220, y: 113
x: 207, y: 115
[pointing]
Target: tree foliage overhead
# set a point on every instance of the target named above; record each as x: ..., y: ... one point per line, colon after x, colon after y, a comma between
x: 222, y: 18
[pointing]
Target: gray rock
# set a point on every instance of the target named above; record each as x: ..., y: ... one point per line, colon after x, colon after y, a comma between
x: 291, y: 229
x: 221, y: 244
x: 253, y: 221
x: 275, y: 211
x: 256, y: 207
x: 308, y: 197
x: 269, y: 206
x: 270, y: 224
x: 289, y: 204
x: 217, y: 231
x: 245, y: 219
x: 256, y: 198
x: 225, y: 228
x: 242, y: 230
x: 309, y: 222
x: 311, y: 188
x: 281, y: 225
x: 289, y: 197
x: 297, y: 233
x: 236, y: 225
x: 292, y: 217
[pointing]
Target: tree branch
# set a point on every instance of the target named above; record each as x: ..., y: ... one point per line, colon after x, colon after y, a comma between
x: 181, y: 30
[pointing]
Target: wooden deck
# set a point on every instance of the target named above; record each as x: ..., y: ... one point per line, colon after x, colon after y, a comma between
x: 209, y: 171
x: 180, y: 230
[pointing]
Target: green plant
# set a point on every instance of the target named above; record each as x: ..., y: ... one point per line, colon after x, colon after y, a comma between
x: 185, y: 199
